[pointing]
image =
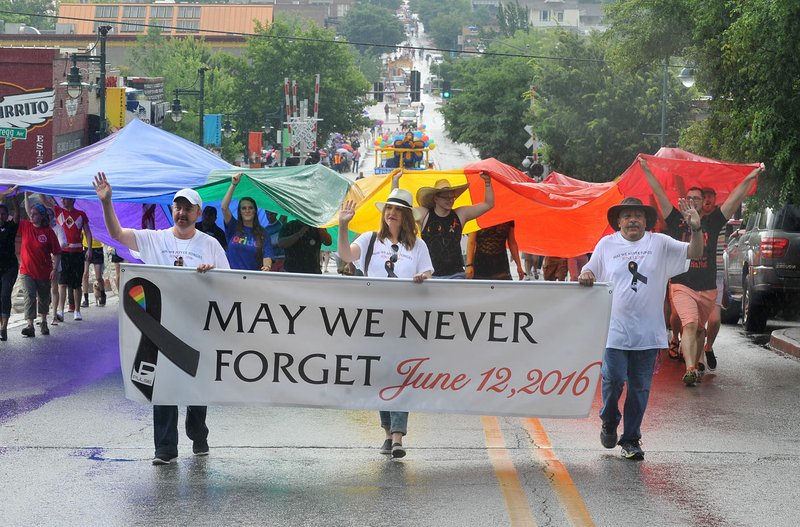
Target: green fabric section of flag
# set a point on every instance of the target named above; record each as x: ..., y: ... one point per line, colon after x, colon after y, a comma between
x: 310, y: 193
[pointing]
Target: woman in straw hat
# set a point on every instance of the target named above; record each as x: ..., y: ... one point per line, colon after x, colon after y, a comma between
x: 396, y: 253
x: 441, y: 225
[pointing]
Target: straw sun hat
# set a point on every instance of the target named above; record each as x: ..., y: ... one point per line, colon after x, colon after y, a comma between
x: 425, y: 195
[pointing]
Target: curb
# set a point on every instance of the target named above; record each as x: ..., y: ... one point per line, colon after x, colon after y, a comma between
x: 786, y: 341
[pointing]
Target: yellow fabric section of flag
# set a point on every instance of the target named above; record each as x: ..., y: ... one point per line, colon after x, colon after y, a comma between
x: 376, y: 189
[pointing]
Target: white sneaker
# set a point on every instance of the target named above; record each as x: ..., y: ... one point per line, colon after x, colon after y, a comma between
x: 78, y: 315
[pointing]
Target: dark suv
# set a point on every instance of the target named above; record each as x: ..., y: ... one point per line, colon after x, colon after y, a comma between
x: 762, y: 266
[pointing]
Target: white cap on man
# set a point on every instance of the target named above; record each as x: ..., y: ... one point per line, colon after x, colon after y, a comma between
x: 189, y: 195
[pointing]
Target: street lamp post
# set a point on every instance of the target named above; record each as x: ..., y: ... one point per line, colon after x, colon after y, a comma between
x: 177, y: 112
x: 277, y: 116
x: 75, y: 84
x: 228, y: 130
x: 686, y: 76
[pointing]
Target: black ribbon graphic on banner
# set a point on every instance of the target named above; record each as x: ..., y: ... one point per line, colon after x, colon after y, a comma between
x: 142, y: 304
x: 633, y: 267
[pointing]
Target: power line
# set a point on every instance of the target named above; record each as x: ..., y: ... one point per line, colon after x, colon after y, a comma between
x: 307, y: 39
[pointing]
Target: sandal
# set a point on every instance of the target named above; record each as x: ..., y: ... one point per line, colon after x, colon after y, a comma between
x: 674, y: 350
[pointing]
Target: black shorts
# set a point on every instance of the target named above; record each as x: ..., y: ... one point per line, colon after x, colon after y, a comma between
x: 71, y: 269
x: 116, y: 259
x: 98, y: 258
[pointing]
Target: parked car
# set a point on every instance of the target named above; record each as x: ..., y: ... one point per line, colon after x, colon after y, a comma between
x: 762, y: 266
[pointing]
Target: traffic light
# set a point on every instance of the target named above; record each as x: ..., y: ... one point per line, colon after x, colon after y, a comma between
x: 416, y: 79
x: 377, y: 91
x: 445, y: 89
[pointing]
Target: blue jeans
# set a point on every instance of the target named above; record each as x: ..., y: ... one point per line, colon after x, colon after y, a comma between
x: 165, y: 427
x: 394, y: 422
x: 636, y: 368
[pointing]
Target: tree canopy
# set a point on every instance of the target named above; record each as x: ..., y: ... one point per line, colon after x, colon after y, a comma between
x: 367, y: 23
x: 592, y: 118
x: 248, y: 88
x: 745, y: 56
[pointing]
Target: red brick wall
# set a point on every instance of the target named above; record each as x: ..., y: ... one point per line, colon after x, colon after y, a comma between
x: 27, y: 75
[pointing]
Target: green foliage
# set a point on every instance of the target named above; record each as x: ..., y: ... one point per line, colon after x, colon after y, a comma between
x: 273, y: 55
x: 592, y: 119
x: 745, y: 54
x: 489, y: 102
x: 246, y: 89
x: 443, y: 19
x: 46, y: 7
x: 512, y: 17
x: 366, y: 23
x: 644, y: 30
x: 392, y: 5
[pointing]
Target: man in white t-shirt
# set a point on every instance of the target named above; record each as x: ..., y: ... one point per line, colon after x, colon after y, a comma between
x: 638, y: 264
x: 181, y: 245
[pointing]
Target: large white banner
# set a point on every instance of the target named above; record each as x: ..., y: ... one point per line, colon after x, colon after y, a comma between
x: 455, y: 346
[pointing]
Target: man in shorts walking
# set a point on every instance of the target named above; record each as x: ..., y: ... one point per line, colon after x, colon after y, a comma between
x: 694, y: 292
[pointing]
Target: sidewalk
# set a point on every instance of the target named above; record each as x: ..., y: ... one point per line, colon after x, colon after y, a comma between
x: 786, y: 340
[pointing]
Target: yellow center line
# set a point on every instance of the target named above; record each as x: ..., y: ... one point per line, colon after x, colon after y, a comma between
x: 516, y: 501
x: 560, y: 480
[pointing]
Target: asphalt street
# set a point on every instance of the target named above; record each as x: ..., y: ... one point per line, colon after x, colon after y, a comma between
x: 74, y: 451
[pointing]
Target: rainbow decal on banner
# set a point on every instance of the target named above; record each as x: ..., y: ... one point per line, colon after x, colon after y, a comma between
x: 137, y: 293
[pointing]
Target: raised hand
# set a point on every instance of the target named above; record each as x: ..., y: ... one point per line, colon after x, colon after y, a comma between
x: 690, y: 215
x: 348, y: 212
x: 102, y: 187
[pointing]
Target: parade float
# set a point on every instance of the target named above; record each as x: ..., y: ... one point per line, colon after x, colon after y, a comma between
x: 408, y: 150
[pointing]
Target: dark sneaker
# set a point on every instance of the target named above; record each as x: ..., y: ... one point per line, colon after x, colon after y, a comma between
x: 28, y: 331
x: 164, y: 460
x: 701, y: 367
x: 398, y: 451
x: 632, y: 450
x: 711, y: 360
x: 102, y: 300
x: 690, y: 378
x: 44, y: 329
x: 386, y: 447
x: 608, y: 435
x: 200, y: 448
x: 3, y: 334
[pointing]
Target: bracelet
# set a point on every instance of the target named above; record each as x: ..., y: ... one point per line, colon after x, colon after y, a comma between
x: 468, y: 265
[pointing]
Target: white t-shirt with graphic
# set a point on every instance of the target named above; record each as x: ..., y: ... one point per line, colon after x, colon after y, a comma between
x: 639, y: 272
x: 409, y: 261
x: 163, y: 248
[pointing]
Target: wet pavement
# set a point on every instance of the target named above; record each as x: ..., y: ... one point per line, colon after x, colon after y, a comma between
x: 74, y: 451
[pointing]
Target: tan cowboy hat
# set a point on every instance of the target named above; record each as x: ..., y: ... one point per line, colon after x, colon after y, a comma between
x: 425, y: 194
x: 400, y: 198
x: 632, y: 203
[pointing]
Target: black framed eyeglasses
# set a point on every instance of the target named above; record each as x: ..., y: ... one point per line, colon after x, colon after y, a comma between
x: 391, y: 261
